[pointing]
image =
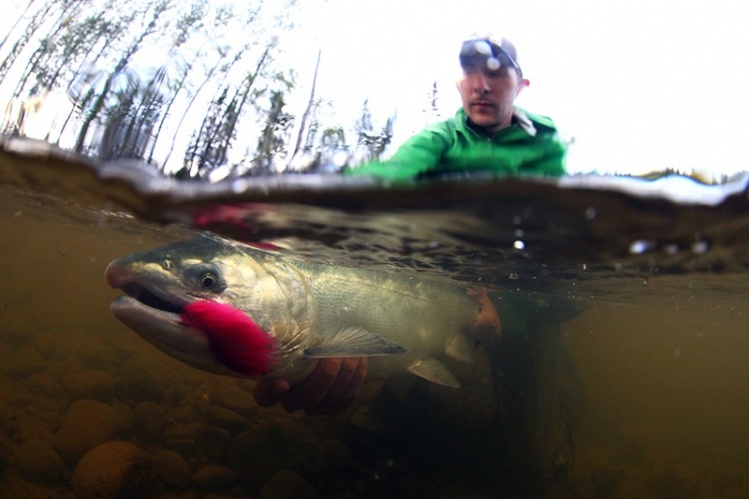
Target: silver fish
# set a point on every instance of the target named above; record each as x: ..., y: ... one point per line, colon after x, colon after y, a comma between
x: 312, y: 310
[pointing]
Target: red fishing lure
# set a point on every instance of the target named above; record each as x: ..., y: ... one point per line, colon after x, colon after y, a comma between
x: 235, y: 338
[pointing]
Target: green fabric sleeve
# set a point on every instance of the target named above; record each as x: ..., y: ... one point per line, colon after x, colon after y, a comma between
x: 420, y: 153
x: 552, y: 163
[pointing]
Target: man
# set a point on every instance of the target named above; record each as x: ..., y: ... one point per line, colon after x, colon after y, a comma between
x: 490, y: 134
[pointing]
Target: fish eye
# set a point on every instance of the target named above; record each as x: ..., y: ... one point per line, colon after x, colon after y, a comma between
x: 167, y: 264
x: 207, y: 280
x: 205, y: 277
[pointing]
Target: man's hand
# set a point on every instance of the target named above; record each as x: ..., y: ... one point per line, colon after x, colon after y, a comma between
x: 329, y: 390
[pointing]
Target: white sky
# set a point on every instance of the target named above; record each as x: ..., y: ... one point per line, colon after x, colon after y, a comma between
x: 641, y: 85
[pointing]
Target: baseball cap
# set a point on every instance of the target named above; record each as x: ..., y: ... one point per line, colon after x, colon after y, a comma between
x: 488, y: 52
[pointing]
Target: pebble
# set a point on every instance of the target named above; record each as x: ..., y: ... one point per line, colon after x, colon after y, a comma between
x: 228, y: 419
x: 171, y: 468
x: 114, y: 469
x: 233, y: 398
x: 53, y: 347
x: 215, y: 477
x: 182, y: 437
x: 258, y: 454
x: 214, y: 442
x: 143, y: 378
x: 287, y: 485
x: 38, y: 462
x: 24, y: 363
x: 93, y: 384
x: 149, y: 422
x: 87, y: 424
x: 332, y: 455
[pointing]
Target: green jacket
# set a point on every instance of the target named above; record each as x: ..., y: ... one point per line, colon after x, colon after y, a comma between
x: 530, y: 146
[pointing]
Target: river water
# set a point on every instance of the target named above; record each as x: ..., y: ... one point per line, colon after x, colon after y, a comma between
x: 623, y: 302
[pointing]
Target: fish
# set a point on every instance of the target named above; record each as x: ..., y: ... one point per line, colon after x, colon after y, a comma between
x: 240, y: 310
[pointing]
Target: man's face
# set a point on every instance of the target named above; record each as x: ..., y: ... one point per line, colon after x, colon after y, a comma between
x: 489, y: 95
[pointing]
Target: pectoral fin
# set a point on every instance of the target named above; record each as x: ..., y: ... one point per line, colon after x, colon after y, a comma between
x: 433, y: 370
x: 462, y: 349
x: 355, y: 342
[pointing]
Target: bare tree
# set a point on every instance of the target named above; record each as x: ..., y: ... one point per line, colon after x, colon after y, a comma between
x: 211, y: 144
x: 308, y: 109
x: 33, y: 26
x: 217, y: 76
x: 273, y: 139
x: 98, y: 104
x: 18, y: 22
x: 374, y: 142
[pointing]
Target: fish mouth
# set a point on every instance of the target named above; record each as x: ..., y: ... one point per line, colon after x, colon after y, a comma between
x: 131, y: 310
x: 149, y: 296
x: 150, y: 299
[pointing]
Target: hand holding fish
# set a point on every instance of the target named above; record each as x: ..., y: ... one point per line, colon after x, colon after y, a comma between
x: 329, y: 390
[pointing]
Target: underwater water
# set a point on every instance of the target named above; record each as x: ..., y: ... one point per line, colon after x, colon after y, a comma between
x: 623, y: 371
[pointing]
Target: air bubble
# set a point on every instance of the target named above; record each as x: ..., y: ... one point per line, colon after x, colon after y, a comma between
x: 700, y: 247
x: 671, y: 249
x: 640, y: 246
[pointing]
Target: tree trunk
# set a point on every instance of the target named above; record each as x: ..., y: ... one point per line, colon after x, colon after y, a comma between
x: 308, y: 110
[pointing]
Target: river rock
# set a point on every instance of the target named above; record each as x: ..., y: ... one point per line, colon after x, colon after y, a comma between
x: 149, y: 422
x: 87, y: 424
x: 53, y: 347
x: 228, y: 419
x: 144, y: 378
x: 287, y: 485
x: 24, y: 363
x: 99, y: 355
x: 332, y: 455
x: 38, y: 462
x: 214, y: 477
x: 123, y: 413
x: 258, y: 454
x: 183, y: 413
x: 233, y: 398
x: 44, y: 383
x: 182, y: 437
x: 93, y: 384
x: 171, y: 468
x: 114, y: 470
x: 31, y: 426
x: 214, y: 442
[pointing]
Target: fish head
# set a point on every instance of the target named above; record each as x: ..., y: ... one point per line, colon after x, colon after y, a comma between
x: 163, y: 286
